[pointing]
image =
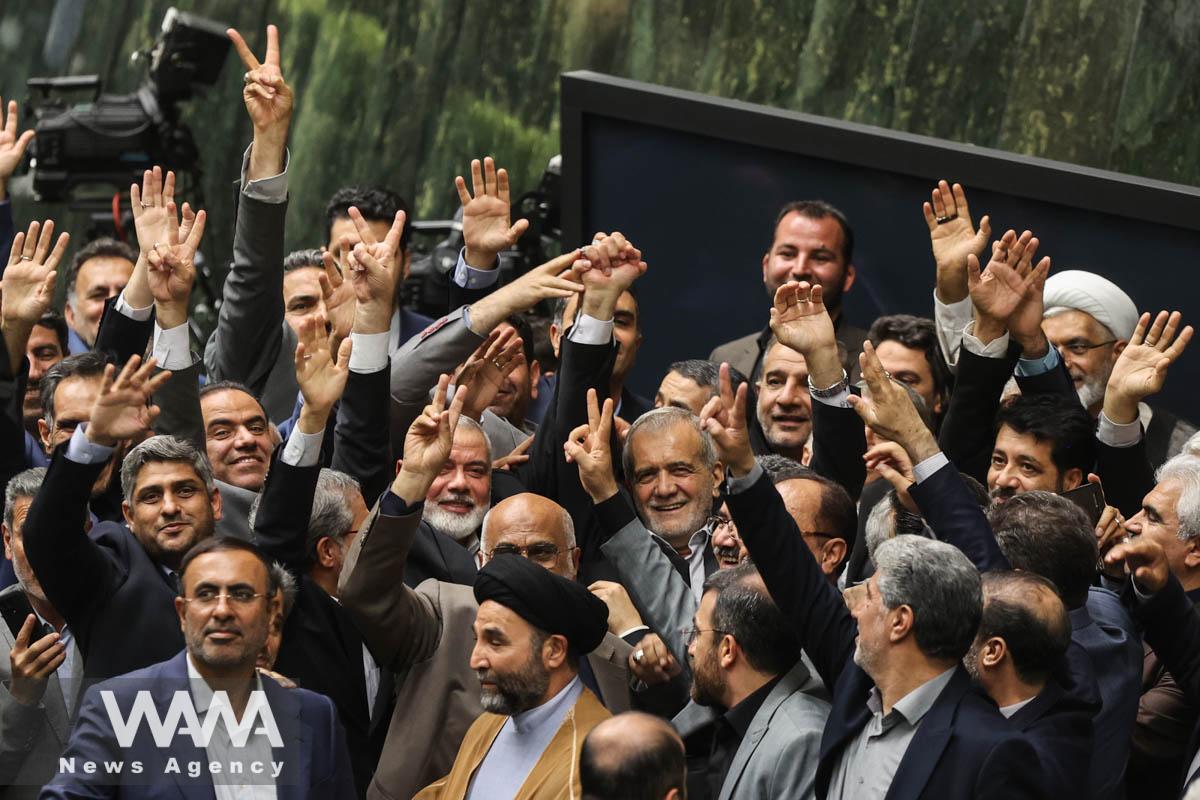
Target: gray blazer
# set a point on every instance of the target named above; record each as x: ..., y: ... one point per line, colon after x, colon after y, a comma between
x: 252, y: 344
x: 31, y: 737
x: 779, y: 753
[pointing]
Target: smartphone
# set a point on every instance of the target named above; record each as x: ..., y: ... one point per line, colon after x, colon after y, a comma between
x: 1089, y: 497
x: 15, y: 608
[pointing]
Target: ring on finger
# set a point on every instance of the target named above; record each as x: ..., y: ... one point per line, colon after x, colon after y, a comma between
x: 27, y: 258
x: 942, y: 220
x: 145, y: 204
x: 639, y: 655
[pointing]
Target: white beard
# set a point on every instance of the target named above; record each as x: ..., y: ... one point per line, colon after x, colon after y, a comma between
x: 460, y: 527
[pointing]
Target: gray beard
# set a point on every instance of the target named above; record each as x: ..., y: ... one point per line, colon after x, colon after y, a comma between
x: 518, y: 692
x: 462, y: 528
x: 1092, y: 391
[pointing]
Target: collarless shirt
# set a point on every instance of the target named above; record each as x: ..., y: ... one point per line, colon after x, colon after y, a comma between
x: 520, y: 744
x: 237, y: 780
x: 729, y: 730
x: 870, y: 760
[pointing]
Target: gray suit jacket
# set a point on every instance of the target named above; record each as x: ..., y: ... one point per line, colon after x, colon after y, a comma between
x: 31, y: 737
x: 778, y: 755
x: 252, y: 344
x: 425, y: 637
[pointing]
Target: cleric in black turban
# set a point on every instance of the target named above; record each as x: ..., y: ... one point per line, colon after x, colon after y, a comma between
x: 546, y: 601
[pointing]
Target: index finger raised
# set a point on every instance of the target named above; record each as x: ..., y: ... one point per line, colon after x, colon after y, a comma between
x: 243, y: 49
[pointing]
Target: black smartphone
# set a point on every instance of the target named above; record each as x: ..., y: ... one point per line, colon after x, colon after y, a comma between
x: 1089, y: 497
x: 15, y: 608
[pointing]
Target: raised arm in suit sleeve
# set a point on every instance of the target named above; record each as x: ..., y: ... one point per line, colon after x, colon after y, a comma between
x: 75, y: 572
x: 839, y: 442
x: 249, y: 336
x: 281, y: 522
x: 796, y: 583
x: 121, y: 336
x: 362, y: 445
x: 401, y: 626
x: 947, y: 505
x: 13, y: 380
x: 966, y: 434
x: 660, y: 593
x: 1122, y: 463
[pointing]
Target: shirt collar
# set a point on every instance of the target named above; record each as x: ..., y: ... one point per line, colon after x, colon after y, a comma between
x: 740, y: 716
x: 550, y: 711
x: 916, y: 704
x: 202, y: 693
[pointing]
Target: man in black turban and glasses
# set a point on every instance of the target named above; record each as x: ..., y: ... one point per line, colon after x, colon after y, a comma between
x: 530, y: 631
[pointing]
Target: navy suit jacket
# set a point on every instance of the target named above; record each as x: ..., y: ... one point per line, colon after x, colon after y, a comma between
x: 315, y: 762
x: 963, y: 747
x: 1102, y: 628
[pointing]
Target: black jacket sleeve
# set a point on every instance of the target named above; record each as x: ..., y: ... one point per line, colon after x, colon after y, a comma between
x: 1127, y: 475
x: 796, y: 583
x: 120, y: 337
x: 839, y: 442
x: 967, y: 434
x: 362, y: 442
x: 281, y: 523
x: 956, y: 518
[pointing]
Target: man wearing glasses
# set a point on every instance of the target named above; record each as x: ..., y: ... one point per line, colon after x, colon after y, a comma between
x: 1090, y: 319
x: 266, y: 737
x: 425, y: 635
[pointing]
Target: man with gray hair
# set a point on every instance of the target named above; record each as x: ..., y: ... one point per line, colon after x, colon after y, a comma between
x: 40, y: 663
x: 896, y: 642
x: 1170, y: 517
x: 115, y: 586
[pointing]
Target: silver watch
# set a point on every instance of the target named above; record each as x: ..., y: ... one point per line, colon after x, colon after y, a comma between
x: 831, y: 391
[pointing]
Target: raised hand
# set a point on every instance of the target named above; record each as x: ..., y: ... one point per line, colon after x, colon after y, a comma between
x: 610, y: 263
x: 651, y: 662
x: 724, y: 417
x: 589, y: 448
x: 33, y: 663
x: 953, y: 239
x: 427, y: 444
x: 890, y: 461
x: 268, y: 101
x: 28, y: 285
x: 557, y: 278
x: 171, y: 268
x: 122, y: 409
x: 800, y: 320
x: 341, y: 306
x: 998, y: 292
x: 890, y: 411
x: 1144, y: 560
x: 12, y: 145
x: 518, y: 456
x: 622, y: 615
x: 1141, y: 369
x: 374, y: 269
x: 486, y: 222
x: 321, y: 376
x: 482, y: 375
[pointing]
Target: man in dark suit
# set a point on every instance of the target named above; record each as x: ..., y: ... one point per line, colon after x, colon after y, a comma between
x: 114, y: 585
x: 893, y: 659
x: 287, y: 741
x: 813, y: 242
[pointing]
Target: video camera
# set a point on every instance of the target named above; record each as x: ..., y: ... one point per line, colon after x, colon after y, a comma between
x: 111, y: 140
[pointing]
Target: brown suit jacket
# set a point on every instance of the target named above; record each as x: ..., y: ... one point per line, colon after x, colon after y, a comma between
x: 554, y: 776
x: 425, y: 637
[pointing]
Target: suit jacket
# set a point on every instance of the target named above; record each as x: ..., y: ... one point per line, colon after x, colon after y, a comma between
x: 745, y: 354
x: 119, y: 603
x: 322, y: 649
x: 963, y: 746
x: 554, y: 776
x: 424, y: 636
x: 31, y: 737
x: 1058, y: 723
x: 778, y: 755
x: 315, y: 761
x: 839, y: 441
x: 1101, y: 627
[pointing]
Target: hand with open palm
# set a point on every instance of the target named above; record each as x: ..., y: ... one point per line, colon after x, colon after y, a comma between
x: 1141, y: 369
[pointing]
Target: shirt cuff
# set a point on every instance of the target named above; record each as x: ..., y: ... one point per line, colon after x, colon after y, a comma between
x: 589, y: 330
x: 1117, y: 434
x: 639, y: 629
x: 302, y: 449
x: 925, y: 470
x: 393, y: 505
x: 137, y: 314
x: 268, y: 190
x: 739, y: 485
x: 997, y: 348
x: 172, y: 347
x: 839, y: 400
x: 369, y: 353
x: 468, y: 277
x: 1028, y: 367
x: 81, y: 451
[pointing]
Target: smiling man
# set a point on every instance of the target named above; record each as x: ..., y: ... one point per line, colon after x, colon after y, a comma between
x: 237, y: 434
x: 784, y: 402
x: 1043, y: 442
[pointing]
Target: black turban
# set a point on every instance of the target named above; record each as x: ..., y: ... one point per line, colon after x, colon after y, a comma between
x: 546, y: 601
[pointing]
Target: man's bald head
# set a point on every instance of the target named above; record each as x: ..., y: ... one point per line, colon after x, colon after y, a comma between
x: 632, y: 756
x: 535, y: 527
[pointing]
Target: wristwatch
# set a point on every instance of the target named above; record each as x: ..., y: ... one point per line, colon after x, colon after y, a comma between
x: 832, y: 391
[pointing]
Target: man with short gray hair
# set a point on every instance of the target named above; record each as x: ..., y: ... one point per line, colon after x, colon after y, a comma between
x: 116, y: 586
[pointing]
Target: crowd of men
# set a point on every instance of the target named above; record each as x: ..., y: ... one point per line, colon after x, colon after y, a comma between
x: 354, y: 552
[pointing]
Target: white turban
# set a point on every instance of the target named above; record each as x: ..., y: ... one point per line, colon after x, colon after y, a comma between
x: 1099, y: 298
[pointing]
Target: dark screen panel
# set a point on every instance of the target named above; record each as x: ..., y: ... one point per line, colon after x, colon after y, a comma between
x: 702, y: 208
